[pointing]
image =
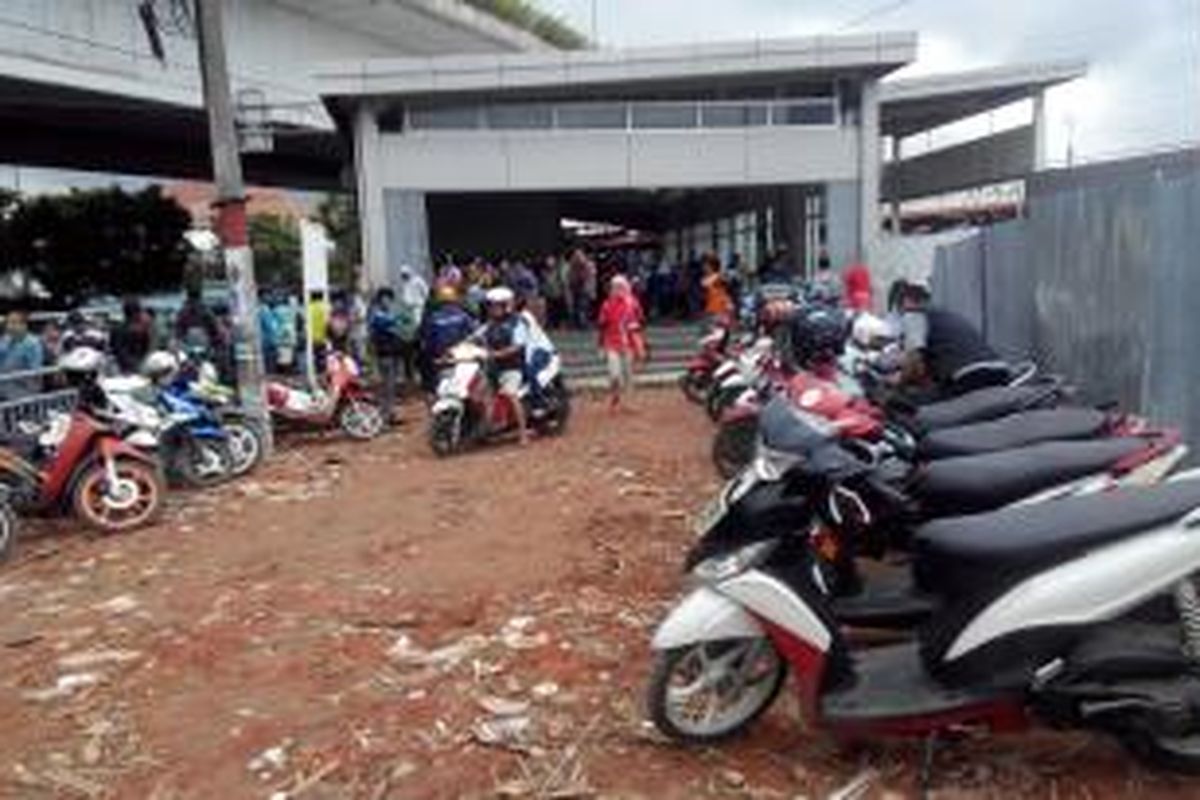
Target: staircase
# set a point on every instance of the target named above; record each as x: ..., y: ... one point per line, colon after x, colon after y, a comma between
x: 670, y: 348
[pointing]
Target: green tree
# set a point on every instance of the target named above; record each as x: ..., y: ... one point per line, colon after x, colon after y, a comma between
x: 339, y: 215
x: 99, y: 241
x: 275, y: 241
x: 527, y: 16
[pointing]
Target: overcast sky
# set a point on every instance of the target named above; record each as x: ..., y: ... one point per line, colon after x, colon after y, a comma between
x: 1143, y: 91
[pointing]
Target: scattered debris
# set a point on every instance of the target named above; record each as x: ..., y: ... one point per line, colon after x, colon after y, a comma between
x: 269, y: 761
x: 121, y: 604
x: 405, y: 651
x: 544, y: 691
x: 65, y: 685
x: 510, y: 733
x: 503, y: 707
x: 96, y: 658
x: 856, y: 788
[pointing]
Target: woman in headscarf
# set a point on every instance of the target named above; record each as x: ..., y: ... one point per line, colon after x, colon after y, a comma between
x: 620, y: 322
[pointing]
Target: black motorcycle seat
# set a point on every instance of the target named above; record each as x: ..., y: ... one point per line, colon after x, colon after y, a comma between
x: 982, y: 405
x: 1015, y: 430
x: 963, y: 556
x: 971, y: 484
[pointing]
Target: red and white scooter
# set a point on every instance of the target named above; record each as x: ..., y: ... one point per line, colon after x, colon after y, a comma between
x: 342, y: 401
x: 467, y: 411
x: 1083, y: 612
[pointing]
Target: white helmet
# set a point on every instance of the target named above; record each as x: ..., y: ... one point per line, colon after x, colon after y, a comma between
x: 867, y: 328
x: 159, y: 364
x: 501, y: 295
x: 82, y: 360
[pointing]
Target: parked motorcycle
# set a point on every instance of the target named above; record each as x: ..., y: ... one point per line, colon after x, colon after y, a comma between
x: 197, y: 382
x: 1082, y: 613
x: 845, y: 502
x: 343, y: 401
x: 467, y: 410
x: 80, y: 463
x: 698, y: 377
x: 188, y: 436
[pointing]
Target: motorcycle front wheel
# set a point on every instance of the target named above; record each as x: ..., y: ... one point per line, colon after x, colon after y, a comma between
x: 8, y: 531
x: 558, y: 403
x: 134, y: 499
x: 360, y: 419
x: 445, y: 433
x: 202, y: 463
x: 245, y: 444
x: 695, y: 386
x: 710, y: 691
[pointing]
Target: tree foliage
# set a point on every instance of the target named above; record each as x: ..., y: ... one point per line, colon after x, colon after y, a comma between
x: 339, y: 215
x: 527, y: 16
x: 275, y: 241
x: 98, y: 241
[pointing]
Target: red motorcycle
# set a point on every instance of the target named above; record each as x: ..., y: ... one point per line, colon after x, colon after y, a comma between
x: 698, y: 379
x: 343, y: 402
x: 80, y: 463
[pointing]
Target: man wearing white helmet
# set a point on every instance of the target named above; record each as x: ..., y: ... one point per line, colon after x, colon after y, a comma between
x: 508, y: 354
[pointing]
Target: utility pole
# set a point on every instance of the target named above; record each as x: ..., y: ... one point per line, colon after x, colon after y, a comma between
x: 231, y: 226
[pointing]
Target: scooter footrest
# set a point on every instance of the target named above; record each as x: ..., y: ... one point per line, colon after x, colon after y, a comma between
x: 890, y: 683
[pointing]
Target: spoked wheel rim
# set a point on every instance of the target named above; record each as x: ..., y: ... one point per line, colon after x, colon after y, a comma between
x: 714, y: 688
x: 362, y: 420
x: 245, y: 447
x: 209, y: 463
x: 131, y: 501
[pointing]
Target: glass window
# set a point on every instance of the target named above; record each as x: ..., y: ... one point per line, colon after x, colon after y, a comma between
x: 519, y: 117
x: 810, y: 113
x: 733, y: 116
x: 447, y: 118
x: 593, y: 116
x: 665, y: 115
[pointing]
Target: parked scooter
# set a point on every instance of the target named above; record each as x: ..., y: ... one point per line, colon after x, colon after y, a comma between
x: 698, y: 377
x: 838, y: 496
x: 467, y: 410
x: 343, y: 401
x: 1083, y: 613
x: 197, y: 382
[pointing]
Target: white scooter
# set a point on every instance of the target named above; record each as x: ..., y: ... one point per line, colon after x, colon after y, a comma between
x: 1082, y: 612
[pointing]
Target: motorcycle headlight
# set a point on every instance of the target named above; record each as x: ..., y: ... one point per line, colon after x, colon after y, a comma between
x: 721, y: 568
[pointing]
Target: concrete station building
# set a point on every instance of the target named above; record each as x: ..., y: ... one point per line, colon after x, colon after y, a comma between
x: 462, y: 134
x: 739, y: 147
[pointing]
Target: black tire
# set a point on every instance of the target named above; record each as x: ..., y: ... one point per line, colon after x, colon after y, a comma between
x: 9, y: 531
x: 94, y: 505
x: 665, y: 663
x: 203, y: 463
x: 445, y: 433
x: 559, y: 412
x: 694, y: 386
x: 246, y: 444
x: 1167, y: 752
x: 361, y: 419
x: 734, y: 445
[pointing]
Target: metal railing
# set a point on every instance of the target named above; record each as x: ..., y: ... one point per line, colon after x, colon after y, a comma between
x: 30, y: 396
x: 637, y: 115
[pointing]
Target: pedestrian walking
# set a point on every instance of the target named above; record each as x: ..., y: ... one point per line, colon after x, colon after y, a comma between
x: 718, y: 305
x: 620, y: 324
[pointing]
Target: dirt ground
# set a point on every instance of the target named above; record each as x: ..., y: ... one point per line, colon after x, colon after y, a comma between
x: 366, y: 621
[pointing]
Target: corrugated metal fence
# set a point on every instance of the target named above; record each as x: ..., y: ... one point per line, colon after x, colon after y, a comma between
x: 1101, y: 283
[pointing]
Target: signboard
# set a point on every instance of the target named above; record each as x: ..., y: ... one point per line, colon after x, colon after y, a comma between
x: 314, y: 253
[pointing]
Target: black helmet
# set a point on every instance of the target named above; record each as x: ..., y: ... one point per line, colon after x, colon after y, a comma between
x: 818, y: 334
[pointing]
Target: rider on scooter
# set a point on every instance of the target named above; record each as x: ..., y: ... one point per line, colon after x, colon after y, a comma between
x: 540, y: 355
x: 502, y: 339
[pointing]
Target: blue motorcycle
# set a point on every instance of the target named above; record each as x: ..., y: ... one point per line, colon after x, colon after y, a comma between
x: 194, y: 443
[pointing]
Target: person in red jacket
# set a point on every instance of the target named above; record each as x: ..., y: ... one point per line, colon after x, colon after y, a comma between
x: 857, y: 282
x: 620, y: 322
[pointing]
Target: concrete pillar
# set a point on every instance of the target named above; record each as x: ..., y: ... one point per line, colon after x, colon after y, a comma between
x: 407, y: 227
x: 869, y: 167
x: 372, y: 221
x: 842, y: 229
x: 897, y: 157
x: 1039, y: 131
